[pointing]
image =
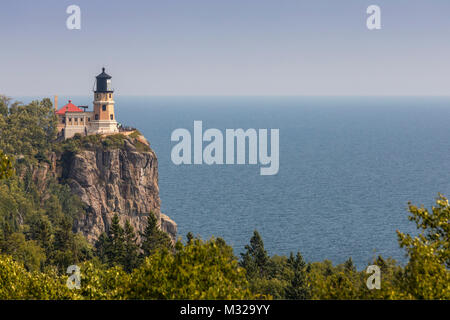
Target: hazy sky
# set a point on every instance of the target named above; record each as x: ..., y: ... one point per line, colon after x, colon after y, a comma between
x: 226, y: 47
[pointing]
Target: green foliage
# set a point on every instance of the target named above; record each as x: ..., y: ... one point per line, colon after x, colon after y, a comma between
x: 131, y: 256
x: 199, y: 270
x: 153, y: 238
x: 135, y: 134
x: 334, y: 282
x: 255, y: 260
x: 27, y: 130
x: 6, y: 166
x: 277, y: 277
x: 29, y: 252
x: 298, y: 287
x: 115, y: 141
x: 4, y: 105
x: 189, y: 237
x: 116, y: 245
x: 91, y: 142
x: 100, y: 283
x: 427, y: 275
x: 119, y: 246
x: 15, y: 204
x: 18, y: 283
x: 36, y: 211
x: 141, y: 147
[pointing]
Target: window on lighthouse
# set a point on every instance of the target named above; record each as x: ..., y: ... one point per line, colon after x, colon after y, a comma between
x: 104, y: 107
x: 111, y: 116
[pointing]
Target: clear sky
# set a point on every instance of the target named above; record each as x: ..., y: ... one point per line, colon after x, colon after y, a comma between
x: 226, y: 47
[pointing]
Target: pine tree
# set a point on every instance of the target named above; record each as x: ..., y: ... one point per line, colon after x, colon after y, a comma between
x: 153, y: 238
x: 62, y: 246
x: 255, y: 260
x: 102, y: 247
x: 41, y: 231
x: 189, y: 237
x: 298, y: 288
x: 6, y: 167
x: 5, y: 232
x: 116, y: 244
x: 131, y: 257
x: 349, y: 266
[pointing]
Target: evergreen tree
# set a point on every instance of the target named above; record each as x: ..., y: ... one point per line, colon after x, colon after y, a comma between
x: 6, y: 167
x: 255, y: 260
x: 349, y: 266
x: 116, y: 248
x: 131, y: 257
x: 4, y: 105
x: 41, y: 231
x: 61, y: 255
x: 153, y: 238
x: 189, y: 237
x: 102, y: 247
x: 298, y: 287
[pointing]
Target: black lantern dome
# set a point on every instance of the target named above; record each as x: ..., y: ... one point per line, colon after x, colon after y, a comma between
x: 103, y: 83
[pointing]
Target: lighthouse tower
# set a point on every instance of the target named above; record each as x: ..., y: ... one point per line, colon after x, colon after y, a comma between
x: 104, y: 119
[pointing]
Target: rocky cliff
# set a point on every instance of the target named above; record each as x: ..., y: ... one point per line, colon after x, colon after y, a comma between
x: 120, y: 178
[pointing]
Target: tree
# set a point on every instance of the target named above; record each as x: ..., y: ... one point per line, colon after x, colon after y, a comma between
x: 332, y: 282
x: 28, y: 252
x: 298, y: 287
x: 255, y: 260
x: 19, y: 283
x: 131, y: 257
x: 153, y: 238
x: 6, y: 167
x: 102, y: 247
x: 41, y: 230
x: 427, y: 275
x: 99, y: 282
x: 349, y: 265
x: 4, y: 105
x: 200, y: 270
x: 30, y: 130
x: 119, y: 246
x: 116, y: 243
x: 189, y: 237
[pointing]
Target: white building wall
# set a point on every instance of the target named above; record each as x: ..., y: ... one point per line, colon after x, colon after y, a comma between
x: 84, y: 124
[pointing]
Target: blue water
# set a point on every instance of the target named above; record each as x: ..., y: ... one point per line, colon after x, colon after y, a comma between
x: 348, y: 167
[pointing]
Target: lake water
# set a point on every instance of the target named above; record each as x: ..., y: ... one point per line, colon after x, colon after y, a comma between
x: 348, y: 167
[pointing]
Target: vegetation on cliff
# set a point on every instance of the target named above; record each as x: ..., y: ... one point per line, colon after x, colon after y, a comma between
x: 36, y: 219
x: 94, y: 142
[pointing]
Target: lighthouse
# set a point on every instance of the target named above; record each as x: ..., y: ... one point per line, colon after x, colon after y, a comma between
x: 104, y: 119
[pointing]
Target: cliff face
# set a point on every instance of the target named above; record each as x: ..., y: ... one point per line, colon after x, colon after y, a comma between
x: 122, y: 180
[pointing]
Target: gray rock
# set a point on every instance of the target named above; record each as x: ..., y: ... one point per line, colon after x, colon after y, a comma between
x: 122, y: 181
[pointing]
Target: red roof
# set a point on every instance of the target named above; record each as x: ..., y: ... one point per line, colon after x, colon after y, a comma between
x: 70, y: 107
